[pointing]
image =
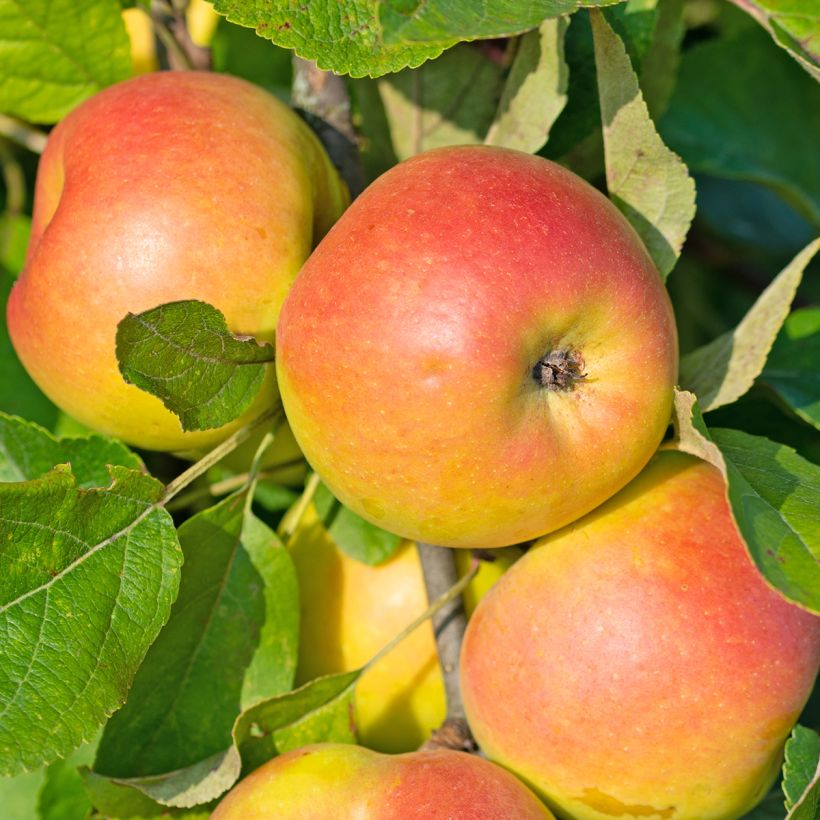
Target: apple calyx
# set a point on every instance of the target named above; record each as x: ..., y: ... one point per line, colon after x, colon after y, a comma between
x: 559, y: 370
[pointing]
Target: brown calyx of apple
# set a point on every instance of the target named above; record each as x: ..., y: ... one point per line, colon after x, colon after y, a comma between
x: 559, y: 369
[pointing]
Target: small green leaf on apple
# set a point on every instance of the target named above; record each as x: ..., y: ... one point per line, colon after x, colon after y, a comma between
x: 793, y: 367
x: 801, y: 774
x: 724, y: 370
x: 646, y: 180
x: 183, y: 353
x: 535, y: 92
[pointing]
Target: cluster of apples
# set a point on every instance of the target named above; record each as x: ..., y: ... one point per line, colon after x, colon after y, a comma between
x: 480, y: 352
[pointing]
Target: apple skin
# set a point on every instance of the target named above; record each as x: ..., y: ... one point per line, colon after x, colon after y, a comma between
x: 329, y: 780
x: 349, y: 611
x: 655, y: 672
x: 406, y: 348
x: 172, y: 185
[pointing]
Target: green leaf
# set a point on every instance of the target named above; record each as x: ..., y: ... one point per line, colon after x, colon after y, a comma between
x: 64, y: 796
x: 645, y: 179
x: 535, y: 92
x: 430, y: 20
x: 19, y: 795
x: 801, y: 774
x: 183, y: 353
x: 310, y: 713
x: 344, y: 36
x: 774, y: 495
x: 358, y: 538
x: 332, y: 722
x: 27, y: 451
x: 652, y: 31
x: 55, y: 53
x: 691, y: 435
x: 577, y: 131
x: 769, y: 137
x: 723, y: 370
x: 231, y: 641
x: 794, y: 25
x: 448, y: 101
x: 580, y: 120
x: 793, y: 366
x: 113, y: 800
x: 239, y: 51
x: 90, y: 575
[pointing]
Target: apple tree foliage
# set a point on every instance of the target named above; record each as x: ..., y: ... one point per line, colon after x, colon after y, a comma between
x: 149, y: 608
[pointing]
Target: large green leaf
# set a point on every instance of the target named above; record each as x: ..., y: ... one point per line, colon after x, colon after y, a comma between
x: 768, y: 136
x: 645, y: 179
x: 793, y: 366
x: 184, y: 353
x: 55, y: 53
x: 341, y: 35
x: 89, y: 578
x: 231, y: 641
x: 375, y: 37
x: 722, y: 371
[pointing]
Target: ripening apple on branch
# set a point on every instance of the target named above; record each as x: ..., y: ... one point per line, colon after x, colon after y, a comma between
x: 655, y: 672
x: 169, y: 186
x: 480, y: 350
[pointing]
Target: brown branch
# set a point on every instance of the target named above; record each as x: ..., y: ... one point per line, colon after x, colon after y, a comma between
x: 322, y: 99
x: 178, y: 51
x: 449, y: 623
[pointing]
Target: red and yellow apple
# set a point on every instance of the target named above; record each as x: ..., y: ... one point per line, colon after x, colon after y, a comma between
x: 636, y: 663
x: 349, y: 611
x: 329, y: 781
x: 172, y: 185
x: 480, y: 350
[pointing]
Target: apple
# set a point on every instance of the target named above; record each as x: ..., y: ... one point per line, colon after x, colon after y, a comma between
x: 349, y: 611
x: 333, y: 780
x: 171, y: 185
x: 636, y: 663
x: 479, y: 351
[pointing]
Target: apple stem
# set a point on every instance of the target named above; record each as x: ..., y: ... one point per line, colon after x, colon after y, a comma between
x: 440, y: 574
x: 220, y: 451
